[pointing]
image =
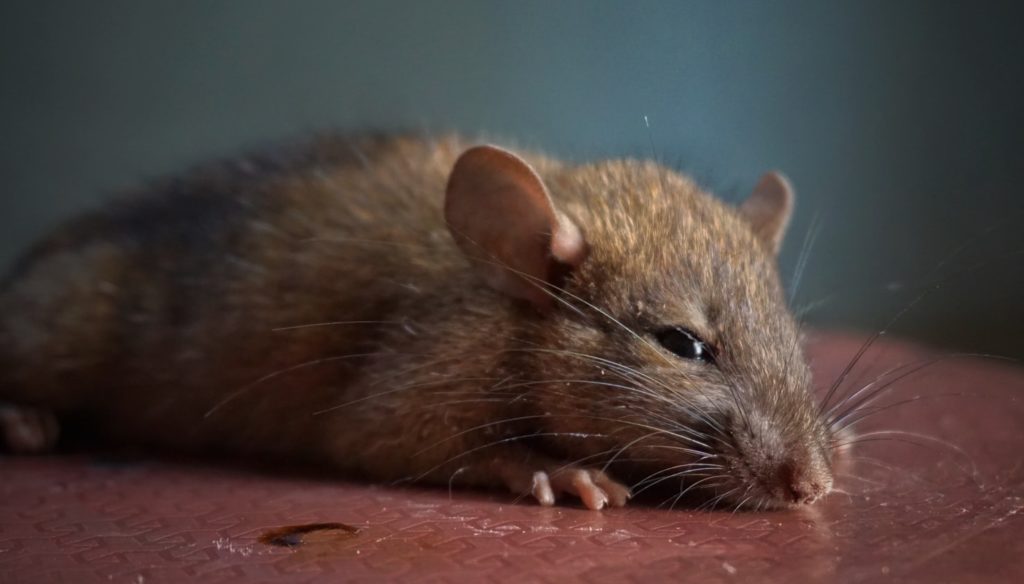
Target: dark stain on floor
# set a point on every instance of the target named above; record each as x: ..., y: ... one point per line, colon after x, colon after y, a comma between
x: 295, y: 535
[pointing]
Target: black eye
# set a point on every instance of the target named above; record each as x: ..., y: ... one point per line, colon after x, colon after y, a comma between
x: 685, y: 344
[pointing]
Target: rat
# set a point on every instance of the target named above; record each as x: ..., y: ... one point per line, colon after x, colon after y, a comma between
x: 397, y: 307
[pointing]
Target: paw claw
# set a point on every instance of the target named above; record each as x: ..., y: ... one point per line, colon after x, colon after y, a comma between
x: 591, y: 495
x: 617, y: 493
x: 593, y: 487
x: 541, y: 489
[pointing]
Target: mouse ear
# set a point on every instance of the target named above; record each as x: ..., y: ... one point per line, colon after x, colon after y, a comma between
x: 769, y: 208
x: 501, y: 216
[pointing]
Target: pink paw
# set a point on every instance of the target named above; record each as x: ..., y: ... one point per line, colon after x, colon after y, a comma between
x: 593, y: 487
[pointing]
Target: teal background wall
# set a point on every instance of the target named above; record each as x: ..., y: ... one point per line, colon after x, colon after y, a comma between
x: 900, y: 123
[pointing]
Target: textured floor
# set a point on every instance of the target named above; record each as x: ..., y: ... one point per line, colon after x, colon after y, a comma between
x: 947, y: 507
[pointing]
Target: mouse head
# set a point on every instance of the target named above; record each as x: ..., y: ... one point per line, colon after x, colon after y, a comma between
x: 660, y: 339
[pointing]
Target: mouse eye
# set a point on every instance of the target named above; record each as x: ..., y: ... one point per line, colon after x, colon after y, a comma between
x: 684, y: 343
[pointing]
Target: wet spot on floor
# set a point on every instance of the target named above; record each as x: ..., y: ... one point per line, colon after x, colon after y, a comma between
x: 296, y: 535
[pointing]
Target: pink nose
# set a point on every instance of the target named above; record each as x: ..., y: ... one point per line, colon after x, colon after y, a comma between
x: 802, y: 485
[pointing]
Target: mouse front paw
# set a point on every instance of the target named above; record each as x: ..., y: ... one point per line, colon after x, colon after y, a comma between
x: 592, y: 486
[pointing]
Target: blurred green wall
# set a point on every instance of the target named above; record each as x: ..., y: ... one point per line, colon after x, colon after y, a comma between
x: 900, y: 123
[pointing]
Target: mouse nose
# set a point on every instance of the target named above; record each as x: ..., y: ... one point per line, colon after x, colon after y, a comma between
x: 801, y: 484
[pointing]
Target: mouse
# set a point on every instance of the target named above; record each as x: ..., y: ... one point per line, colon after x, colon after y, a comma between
x: 428, y: 309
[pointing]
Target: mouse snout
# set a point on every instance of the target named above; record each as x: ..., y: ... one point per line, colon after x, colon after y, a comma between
x: 804, y: 480
x: 800, y: 486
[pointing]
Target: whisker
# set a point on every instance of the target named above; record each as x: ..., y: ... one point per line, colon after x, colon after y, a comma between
x: 691, y: 487
x: 335, y: 323
x: 904, y: 436
x: 396, y: 390
x: 280, y: 372
x: 673, y: 472
x: 581, y: 435
x: 805, y: 252
x: 834, y: 417
x: 871, y: 411
x: 928, y: 289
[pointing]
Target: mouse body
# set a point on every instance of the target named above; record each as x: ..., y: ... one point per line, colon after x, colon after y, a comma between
x: 414, y: 308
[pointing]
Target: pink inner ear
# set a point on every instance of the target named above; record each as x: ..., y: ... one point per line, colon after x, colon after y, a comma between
x: 567, y: 243
x: 768, y: 208
x: 502, y: 218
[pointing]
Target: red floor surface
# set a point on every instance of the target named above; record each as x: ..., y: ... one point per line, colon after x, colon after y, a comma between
x: 908, y: 513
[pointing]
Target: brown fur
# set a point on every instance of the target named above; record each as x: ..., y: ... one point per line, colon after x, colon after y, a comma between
x: 163, y: 318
